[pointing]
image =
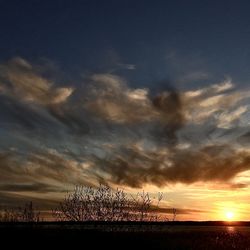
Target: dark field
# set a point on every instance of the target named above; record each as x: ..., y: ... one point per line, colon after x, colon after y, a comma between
x: 127, y: 235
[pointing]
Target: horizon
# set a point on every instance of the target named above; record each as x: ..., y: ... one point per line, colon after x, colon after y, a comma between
x: 137, y: 95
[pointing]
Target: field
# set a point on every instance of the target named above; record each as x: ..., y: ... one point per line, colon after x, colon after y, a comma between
x: 178, y: 235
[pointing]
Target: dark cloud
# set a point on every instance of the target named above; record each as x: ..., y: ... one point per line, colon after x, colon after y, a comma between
x: 32, y: 187
x: 244, y: 139
x: 209, y: 163
x: 238, y: 185
x: 169, y: 104
x: 9, y: 169
x: 41, y: 172
x: 13, y: 200
x: 167, y: 210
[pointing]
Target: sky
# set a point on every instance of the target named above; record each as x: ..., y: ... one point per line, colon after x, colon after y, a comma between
x: 139, y: 95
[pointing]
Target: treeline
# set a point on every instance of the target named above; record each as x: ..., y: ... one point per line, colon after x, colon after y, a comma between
x: 27, y: 213
x: 94, y: 204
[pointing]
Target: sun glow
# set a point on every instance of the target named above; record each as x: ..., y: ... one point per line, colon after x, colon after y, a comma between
x: 229, y: 215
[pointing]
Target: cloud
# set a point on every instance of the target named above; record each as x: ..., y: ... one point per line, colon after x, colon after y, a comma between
x: 171, y: 110
x: 19, y: 80
x: 24, y: 187
x: 167, y: 210
x: 215, y: 104
x: 110, y: 99
x: 46, y: 171
x: 42, y: 177
x: 32, y: 101
x: 226, y: 119
x: 21, y: 115
x: 193, y: 76
x: 72, y: 117
x: 134, y: 167
x: 13, y: 200
x: 103, y: 129
x: 127, y: 66
x: 238, y: 185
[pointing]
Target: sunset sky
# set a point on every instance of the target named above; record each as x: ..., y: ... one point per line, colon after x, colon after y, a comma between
x: 140, y: 95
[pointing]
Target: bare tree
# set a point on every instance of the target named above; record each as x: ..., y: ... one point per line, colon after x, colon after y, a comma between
x: 28, y: 213
x: 105, y: 204
x: 174, y: 213
x: 86, y: 203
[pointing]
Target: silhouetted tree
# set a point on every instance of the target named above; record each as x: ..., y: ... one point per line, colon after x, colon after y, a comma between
x: 26, y: 213
x: 105, y: 204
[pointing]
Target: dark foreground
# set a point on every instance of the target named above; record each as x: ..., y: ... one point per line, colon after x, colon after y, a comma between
x: 208, y: 235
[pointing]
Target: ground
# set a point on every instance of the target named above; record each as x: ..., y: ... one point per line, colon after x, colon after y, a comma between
x: 126, y: 236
